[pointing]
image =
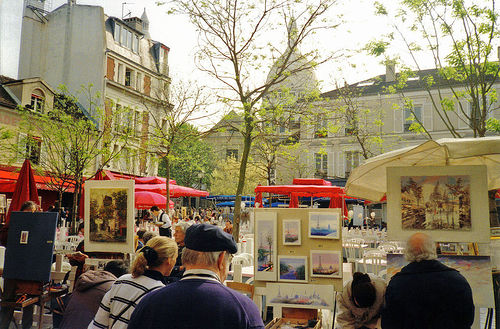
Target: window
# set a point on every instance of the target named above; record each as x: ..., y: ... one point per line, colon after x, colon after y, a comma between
x: 123, y: 41
x: 117, y: 32
x: 232, y: 153
x: 410, y: 118
x: 37, y: 101
x: 321, y: 160
x: 351, y: 161
x: 33, y: 149
x: 135, y: 46
x: 321, y: 129
x: 137, y: 123
x: 128, y: 77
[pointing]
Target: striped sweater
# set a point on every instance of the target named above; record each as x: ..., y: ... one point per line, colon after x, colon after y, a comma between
x: 125, y: 292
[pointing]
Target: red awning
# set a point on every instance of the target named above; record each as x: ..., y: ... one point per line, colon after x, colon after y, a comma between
x: 311, y: 181
x: 302, y: 190
x: 153, y: 180
x: 175, y: 190
x: 8, y: 179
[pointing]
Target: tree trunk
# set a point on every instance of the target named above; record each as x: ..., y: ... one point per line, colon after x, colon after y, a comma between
x: 74, y: 208
x: 167, y: 177
x: 247, y: 140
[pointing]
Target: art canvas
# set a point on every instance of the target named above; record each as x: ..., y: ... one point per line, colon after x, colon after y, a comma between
x: 266, y: 246
x: 476, y: 269
x: 324, y: 225
x: 436, y: 202
x: 109, y: 216
x: 449, y: 203
x: 291, y: 232
x: 300, y: 295
x: 326, y: 264
x: 293, y: 268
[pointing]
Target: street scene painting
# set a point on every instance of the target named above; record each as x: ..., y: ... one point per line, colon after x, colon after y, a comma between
x: 326, y: 264
x: 475, y: 269
x: 300, y: 295
x: 293, y: 268
x: 266, y: 246
x: 324, y: 225
x: 291, y: 232
x: 108, y: 215
x: 436, y: 203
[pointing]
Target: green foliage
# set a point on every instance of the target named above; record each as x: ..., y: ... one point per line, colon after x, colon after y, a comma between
x: 191, y: 163
x: 225, y: 178
x: 493, y: 125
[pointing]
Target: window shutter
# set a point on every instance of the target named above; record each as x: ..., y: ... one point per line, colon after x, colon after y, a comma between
x: 110, y: 69
x: 147, y: 84
x: 427, y: 117
x: 398, y: 120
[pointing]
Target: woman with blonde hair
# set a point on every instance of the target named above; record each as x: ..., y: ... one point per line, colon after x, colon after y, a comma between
x: 152, y: 263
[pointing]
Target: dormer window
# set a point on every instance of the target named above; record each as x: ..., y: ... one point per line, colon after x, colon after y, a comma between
x: 126, y: 37
x: 37, y: 101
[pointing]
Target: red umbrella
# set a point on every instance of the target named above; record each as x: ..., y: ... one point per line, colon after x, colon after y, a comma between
x: 175, y: 190
x: 153, y: 180
x: 25, y: 190
x: 145, y: 200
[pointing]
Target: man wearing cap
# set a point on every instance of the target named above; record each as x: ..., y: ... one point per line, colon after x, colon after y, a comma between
x: 206, y: 259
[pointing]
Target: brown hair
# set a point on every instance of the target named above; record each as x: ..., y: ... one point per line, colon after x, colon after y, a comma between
x: 155, y: 253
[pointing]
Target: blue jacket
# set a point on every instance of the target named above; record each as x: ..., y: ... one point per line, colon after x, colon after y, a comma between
x: 196, y: 303
x: 428, y: 295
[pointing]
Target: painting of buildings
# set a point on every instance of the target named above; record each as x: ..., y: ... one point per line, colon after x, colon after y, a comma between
x: 475, y: 269
x: 265, y: 245
x: 436, y: 203
x: 108, y: 214
x: 324, y: 225
x: 300, y: 295
x: 325, y: 264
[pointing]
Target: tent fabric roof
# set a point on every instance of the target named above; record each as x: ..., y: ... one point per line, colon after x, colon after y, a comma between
x: 8, y: 179
x: 311, y: 181
x: 302, y: 190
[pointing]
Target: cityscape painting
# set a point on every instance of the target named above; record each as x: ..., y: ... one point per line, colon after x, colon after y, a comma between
x: 324, y: 225
x: 293, y: 268
x: 266, y: 246
x: 291, y: 232
x: 300, y: 295
x: 326, y: 264
x: 436, y: 203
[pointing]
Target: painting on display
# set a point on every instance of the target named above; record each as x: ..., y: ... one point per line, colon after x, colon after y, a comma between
x: 324, y: 225
x: 291, y: 232
x: 266, y: 246
x: 293, y: 268
x: 326, y: 264
x: 476, y: 269
x: 109, y: 216
x: 449, y: 203
x: 436, y: 203
x: 300, y: 295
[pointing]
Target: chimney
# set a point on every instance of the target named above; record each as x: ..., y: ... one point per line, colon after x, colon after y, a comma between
x: 135, y: 23
x: 71, y: 3
x: 390, y: 71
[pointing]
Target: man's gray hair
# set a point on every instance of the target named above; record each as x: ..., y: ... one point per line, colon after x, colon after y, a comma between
x: 420, y: 247
x: 201, y: 258
x: 183, y: 226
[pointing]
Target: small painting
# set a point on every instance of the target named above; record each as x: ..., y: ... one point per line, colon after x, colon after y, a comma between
x: 436, y: 203
x: 24, y: 237
x: 324, y: 225
x: 3, y: 201
x: 266, y: 246
x: 291, y: 232
x: 293, y: 268
x: 301, y: 295
x: 475, y: 269
x: 108, y: 215
x: 326, y: 264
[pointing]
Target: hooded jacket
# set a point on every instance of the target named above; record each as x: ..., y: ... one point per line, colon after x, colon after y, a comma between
x: 352, y: 317
x: 89, y: 290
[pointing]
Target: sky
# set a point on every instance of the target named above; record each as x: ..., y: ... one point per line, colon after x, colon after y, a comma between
x: 175, y: 31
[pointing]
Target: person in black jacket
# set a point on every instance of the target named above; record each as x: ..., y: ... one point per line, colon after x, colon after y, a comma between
x: 427, y: 294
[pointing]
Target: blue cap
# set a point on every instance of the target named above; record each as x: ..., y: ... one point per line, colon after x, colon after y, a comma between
x: 206, y: 237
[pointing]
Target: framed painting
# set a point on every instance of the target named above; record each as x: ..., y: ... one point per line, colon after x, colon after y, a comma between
x: 300, y: 295
x: 324, y: 225
x: 266, y: 246
x: 291, y: 232
x: 449, y: 203
x: 109, y: 216
x: 326, y: 264
x: 293, y: 268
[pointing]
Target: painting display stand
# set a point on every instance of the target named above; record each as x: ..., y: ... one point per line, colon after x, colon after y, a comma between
x: 319, y: 238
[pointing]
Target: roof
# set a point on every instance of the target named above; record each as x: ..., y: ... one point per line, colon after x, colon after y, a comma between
x: 377, y: 85
x: 5, y: 98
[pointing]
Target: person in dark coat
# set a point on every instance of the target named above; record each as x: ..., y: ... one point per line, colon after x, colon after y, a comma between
x: 90, y: 288
x: 426, y: 293
x: 179, y: 236
x: 206, y: 259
